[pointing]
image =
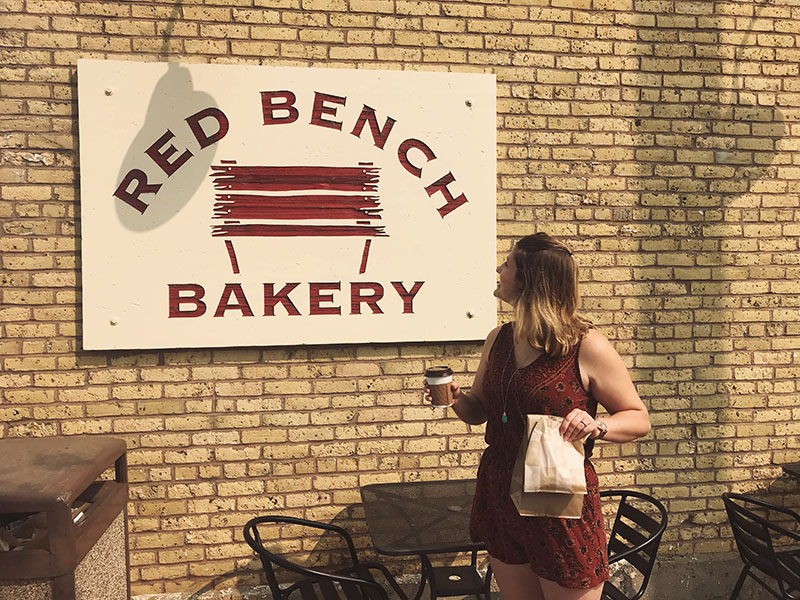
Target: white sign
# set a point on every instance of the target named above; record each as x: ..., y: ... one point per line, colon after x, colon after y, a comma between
x: 228, y: 205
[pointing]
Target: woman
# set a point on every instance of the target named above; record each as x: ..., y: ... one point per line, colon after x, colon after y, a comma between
x: 547, y: 361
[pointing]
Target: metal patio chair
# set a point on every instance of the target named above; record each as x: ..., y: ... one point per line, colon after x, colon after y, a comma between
x: 353, y: 582
x: 633, y: 543
x: 756, y: 538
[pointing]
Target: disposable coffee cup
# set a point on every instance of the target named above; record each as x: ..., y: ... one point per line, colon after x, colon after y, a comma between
x: 439, y: 380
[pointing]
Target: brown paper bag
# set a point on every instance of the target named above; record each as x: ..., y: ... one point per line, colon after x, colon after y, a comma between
x: 548, y: 478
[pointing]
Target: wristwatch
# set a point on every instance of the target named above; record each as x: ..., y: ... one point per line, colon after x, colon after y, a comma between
x: 602, y: 428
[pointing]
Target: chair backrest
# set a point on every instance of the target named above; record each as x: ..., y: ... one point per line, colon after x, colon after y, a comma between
x: 634, y: 540
x: 351, y: 583
x: 756, y: 538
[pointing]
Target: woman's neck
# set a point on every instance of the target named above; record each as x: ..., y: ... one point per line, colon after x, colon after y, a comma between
x: 525, y: 354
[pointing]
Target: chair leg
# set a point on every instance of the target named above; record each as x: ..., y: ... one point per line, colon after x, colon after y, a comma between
x: 423, y: 577
x: 487, y: 583
x: 738, y: 587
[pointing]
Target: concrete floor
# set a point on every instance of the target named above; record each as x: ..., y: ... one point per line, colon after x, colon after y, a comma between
x: 704, y: 577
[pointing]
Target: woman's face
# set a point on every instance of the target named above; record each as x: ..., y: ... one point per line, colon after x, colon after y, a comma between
x: 507, y: 285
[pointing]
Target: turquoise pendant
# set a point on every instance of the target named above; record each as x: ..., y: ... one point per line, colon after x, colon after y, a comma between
x: 504, y: 418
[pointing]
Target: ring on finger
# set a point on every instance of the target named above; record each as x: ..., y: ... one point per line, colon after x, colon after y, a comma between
x: 582, y: 424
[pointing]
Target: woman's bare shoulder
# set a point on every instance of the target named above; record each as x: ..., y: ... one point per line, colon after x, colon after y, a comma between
x: 595, y: 345
x: 493, y: 333
x: 492, y: 336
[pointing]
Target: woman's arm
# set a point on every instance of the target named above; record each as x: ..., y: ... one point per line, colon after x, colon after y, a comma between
x: 469, y: 405
x: 606, y: 376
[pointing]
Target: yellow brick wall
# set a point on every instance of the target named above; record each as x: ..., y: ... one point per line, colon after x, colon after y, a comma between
x: 657, y: 137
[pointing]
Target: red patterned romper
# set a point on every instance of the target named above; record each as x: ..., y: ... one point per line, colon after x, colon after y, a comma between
x: 571, y: 552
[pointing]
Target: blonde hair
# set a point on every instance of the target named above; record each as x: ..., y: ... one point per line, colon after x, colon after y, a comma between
x: 545, y: 309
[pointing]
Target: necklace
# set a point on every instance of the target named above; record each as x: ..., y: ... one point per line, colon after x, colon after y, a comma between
x: 504, y: 395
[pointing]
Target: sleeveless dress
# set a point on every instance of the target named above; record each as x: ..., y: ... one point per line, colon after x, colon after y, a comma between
x: 571, y: 552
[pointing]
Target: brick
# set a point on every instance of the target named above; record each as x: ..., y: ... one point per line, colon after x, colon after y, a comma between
x: 31, y: 363
x: 352, y: 53
x: 127, y: 392
x: 158, y: 540
x: 417, y: 7
x: 188, y: 423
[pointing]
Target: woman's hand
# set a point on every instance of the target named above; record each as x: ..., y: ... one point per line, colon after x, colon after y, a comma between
x: 468, y: 405
x: 577, y: 425
x: 457, y: 393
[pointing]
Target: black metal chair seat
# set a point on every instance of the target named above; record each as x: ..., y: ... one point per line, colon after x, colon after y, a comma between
x: 757, y: 537
x: 352, y: 582
x: 456, y: 580
x: 333, y: 589
x: 633, y: 542
x: 790, y: 560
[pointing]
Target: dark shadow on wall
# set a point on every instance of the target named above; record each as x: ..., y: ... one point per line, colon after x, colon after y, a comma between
x: 708, y: 178
x: 172, y: 101
x: 325, y: 552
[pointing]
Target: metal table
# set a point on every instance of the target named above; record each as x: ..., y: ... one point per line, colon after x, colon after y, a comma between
x: 792, y: 469
x: 424, y: 518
